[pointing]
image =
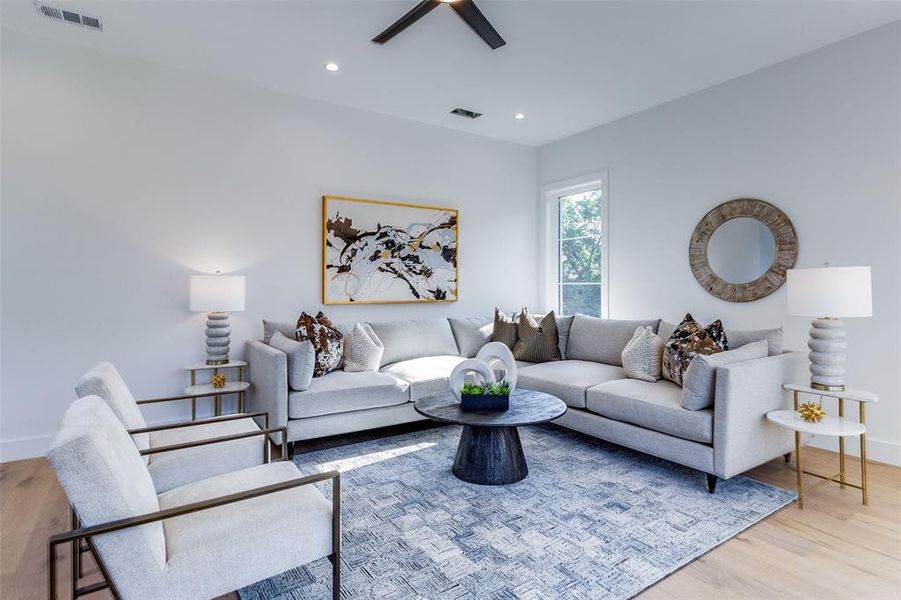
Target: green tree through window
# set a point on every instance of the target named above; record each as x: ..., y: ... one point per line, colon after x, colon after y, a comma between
x: 579, y: 251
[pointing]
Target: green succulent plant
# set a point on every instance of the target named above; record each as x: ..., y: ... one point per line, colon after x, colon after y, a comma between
x: 501, y: 388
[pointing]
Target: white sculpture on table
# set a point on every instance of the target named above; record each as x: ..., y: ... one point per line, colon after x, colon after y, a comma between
x: 483, y: 366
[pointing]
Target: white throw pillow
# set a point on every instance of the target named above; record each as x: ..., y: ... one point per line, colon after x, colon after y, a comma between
x: 643, y: 355
x: 699, y: 382
x: 363, y: 349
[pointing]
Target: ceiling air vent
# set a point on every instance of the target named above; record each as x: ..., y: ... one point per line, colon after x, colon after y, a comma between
x: 67, y: 16
x: 469, y: 114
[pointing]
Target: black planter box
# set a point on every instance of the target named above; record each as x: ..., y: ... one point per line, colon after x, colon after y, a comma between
x: 484, y: 402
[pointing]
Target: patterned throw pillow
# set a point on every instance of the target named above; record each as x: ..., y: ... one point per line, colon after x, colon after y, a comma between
x: 363, y: 349
x: 536, y: 342
x: 326, y: 339
x: 688, y: 340
x: 504, y: 328
x: 643, y: 355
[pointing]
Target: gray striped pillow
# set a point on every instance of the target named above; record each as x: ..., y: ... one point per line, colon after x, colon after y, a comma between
x: 504, y: 329
x: 537, y: 342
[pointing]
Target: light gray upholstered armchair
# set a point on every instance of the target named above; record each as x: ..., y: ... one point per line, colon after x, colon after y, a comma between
x: 169, y: 452
x: 199, y: 540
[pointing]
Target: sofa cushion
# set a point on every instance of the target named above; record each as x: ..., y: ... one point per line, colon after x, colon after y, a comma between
x: 504, y: 328
x: 602, y: 340
x: 426, y: 375
x: 567, y: 379
x: 362, y: 349
x: 741, y: 337
x: 656, y: 406
x: 404, y: 340
x: 327, y: 339
x: 536, y: 341
x: 339, y: 392
x: 471, y: 333
x: 689, y: 340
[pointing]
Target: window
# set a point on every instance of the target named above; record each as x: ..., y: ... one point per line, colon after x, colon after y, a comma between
x: 579, y: 242
x: 576, y: 264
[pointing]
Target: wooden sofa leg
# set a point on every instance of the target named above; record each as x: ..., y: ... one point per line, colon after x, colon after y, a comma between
x: 787, y: 457
x: 711, y: 483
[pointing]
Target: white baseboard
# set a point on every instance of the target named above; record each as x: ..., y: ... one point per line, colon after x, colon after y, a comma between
x: 24, y: 448
x: 877, y: 450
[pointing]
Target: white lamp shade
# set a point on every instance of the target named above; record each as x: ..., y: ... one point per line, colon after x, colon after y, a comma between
x: 836, y: 292
x: 217, y: 293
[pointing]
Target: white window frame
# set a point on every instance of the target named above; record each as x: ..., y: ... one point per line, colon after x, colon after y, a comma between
x: 550, y: 216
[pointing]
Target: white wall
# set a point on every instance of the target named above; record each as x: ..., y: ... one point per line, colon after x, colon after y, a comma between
x: 820, y: 137
x: 120, y: 179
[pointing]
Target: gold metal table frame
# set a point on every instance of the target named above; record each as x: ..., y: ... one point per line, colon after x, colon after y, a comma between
x: 839, y: 477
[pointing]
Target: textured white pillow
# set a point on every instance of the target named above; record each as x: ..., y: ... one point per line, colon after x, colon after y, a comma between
x: 363, y: 349
x: 643, y: 355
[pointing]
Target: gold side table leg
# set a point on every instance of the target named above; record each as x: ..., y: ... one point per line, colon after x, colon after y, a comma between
x: 841, y: 446
x: 218, y: 406
x: 863, y: 457
x: 798, y: 468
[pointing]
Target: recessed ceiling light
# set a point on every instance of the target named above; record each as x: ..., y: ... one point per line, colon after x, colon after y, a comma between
x: 519, y: 116
x: 333, y: 67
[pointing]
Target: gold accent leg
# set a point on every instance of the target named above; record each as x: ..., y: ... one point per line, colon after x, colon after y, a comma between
x: 218, y: 406
x: 841, y: 446
x: 76, y: 554
x: 795, y: 396
x: 241, y: 402
x: 798, y: 468
x: 193, y: 409
x: 863, y: 457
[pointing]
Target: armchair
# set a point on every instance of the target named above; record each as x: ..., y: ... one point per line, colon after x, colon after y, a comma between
x: 200, y: 540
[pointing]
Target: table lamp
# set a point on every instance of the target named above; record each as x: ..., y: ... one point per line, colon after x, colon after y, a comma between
x: 829, y: 294
x: 217, y: 295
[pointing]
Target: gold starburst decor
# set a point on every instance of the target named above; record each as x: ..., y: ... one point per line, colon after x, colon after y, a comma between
x: 219, y: 380
x: 812, y: 412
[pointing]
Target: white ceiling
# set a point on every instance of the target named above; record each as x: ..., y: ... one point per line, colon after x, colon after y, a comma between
x: 568, y: 65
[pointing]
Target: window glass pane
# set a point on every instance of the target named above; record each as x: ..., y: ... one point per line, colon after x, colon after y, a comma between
x: 580, y: 215
x: 585, y: 299
x: 580, y: 260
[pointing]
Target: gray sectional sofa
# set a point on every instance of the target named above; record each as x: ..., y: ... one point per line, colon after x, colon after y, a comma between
x: 722, y: 441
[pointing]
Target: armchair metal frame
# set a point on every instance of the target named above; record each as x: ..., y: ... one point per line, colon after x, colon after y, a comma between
x: 77, y: 535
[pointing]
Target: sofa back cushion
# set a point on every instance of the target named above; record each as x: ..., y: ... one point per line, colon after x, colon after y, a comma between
x: 471, y: 333
x: 105, y: 479
x: 404, y: 340
x: 699, y: 382
x: 602, y: 340
x: 741, y: 337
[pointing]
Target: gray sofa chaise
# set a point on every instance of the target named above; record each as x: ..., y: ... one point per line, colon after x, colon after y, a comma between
x: 722, y: 441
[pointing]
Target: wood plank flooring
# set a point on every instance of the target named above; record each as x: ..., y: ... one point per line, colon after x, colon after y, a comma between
x: 834, y: 548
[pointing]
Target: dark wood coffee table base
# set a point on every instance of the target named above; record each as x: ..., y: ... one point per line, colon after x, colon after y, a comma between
x: 490, y: 456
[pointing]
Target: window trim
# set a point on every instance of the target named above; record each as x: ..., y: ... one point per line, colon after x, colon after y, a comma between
x: 550, y: 215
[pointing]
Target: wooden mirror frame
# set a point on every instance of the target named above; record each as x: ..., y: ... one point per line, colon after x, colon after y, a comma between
x: 786, y: 250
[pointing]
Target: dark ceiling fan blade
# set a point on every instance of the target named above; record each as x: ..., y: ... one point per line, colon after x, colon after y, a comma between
x: 470, y: 13
x: 416, y: 13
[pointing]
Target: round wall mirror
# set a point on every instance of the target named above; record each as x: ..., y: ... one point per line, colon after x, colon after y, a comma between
x: 741, y: 250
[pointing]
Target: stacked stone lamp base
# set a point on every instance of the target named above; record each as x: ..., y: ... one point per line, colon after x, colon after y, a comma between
x: 217, y: 338
x: 827, y: 354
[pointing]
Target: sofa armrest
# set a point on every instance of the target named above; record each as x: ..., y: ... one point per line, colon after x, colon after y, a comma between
x: 267, y: 370
x: 745, y: 392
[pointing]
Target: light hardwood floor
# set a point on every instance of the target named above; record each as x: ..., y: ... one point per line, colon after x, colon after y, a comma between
x: 834, y: 548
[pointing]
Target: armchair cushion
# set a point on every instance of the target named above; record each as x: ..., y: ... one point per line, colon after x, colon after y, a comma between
x: 179, y: 467
x: 103, y: 380
x: 215, y: 551
x: 105, y: 479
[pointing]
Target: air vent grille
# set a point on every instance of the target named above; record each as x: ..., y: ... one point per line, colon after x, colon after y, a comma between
x: 67, y: 16
x: 469, y: 114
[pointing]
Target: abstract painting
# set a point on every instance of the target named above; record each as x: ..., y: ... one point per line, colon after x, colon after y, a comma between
x: 386, y: 252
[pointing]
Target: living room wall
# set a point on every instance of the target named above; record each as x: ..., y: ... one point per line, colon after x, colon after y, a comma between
x: 818, y: 136
x: 122, y: 178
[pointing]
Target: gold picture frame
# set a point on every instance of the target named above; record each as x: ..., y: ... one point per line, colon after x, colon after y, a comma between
x: 408, y: 268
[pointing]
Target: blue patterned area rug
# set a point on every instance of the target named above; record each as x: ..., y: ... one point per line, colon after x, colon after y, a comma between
x: 592, y: 520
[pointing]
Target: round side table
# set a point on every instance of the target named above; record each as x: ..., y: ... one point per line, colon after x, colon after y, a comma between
x: 839, y: 427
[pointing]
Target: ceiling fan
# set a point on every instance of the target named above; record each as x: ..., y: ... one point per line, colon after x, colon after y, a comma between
x: 467, y: 10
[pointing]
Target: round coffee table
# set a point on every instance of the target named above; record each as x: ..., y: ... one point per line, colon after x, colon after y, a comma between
x: 490, y: 452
